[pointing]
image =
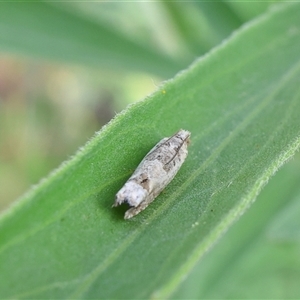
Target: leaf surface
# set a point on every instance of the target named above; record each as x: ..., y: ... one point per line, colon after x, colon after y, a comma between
x: 241, y: 103
x: 261, y: 250
x: 55, y: 32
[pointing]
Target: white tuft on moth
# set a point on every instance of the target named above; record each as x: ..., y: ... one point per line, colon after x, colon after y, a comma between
x: 154, y: 173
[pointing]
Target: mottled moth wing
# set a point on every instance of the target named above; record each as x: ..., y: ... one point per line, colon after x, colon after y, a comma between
x: 154, y: 173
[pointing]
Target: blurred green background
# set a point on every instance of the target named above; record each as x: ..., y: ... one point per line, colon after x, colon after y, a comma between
x: 67, y: 68
x: 51, y: 105
x: 49, y: 110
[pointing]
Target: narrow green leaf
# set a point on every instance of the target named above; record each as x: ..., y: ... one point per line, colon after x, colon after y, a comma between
x: 221, y: 19
x: 241, y: 103
x: 261, y: 250
x: 43, y: 30
x: 202, y: 25
x: 248, y: 10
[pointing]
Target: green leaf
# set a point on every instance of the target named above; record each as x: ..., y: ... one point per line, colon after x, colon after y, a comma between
x: 247, y: 10
x: 202, y: 25
x: 261, y: 250
x: 54, y: 32
x: 241, y: 103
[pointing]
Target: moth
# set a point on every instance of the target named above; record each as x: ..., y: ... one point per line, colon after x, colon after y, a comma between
x: 154, y: 173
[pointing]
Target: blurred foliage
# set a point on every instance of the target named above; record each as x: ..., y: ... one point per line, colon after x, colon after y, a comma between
x: 89, y: 60
x: 47, y: 111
